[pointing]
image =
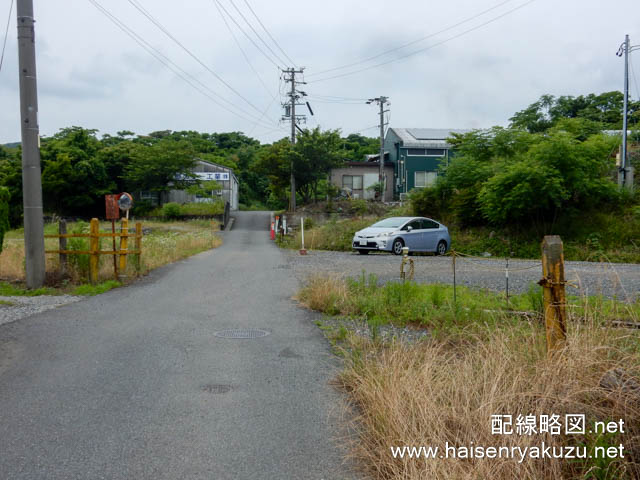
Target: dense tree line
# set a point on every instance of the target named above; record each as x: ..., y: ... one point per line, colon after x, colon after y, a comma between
x: 554, y: 160
x: 78, y: 168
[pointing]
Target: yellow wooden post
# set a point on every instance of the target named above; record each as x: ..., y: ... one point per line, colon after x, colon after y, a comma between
x: 62, y: 243
x: 138, y: 245
x: 94, y: 247
x: 124, y: 241
x: 553, y: 283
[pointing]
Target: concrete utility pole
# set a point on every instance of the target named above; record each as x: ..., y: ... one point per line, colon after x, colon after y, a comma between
x: 31, y: 175
x: 293, y: 98
x: 625, y: 172
x: 381, y: 101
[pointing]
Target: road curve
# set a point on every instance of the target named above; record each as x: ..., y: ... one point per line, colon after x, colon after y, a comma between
x: 134, y: 384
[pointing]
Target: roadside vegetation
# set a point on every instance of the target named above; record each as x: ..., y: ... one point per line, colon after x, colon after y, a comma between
x: 162, y: 243
x: 480, y: 359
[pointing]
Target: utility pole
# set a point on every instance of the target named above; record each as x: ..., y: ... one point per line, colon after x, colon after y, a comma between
x: 625, y: 172
x: 382, y: 101
x: 31, y: 174
x: 293, y: 101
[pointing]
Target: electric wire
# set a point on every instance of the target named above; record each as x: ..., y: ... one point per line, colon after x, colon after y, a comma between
x: 152, y: 19
x: 269, y: 34
x: 273, y: 99
x: 421, y: 50
x: 172, y: 66
x: 450, y: 27
x: 256, y: 33
x: 235, y: 39
x: 247, y: 35
x: 6, y: 34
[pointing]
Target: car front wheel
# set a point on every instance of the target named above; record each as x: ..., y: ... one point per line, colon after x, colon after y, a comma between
x: 442, y: 247
x: 397, y: 246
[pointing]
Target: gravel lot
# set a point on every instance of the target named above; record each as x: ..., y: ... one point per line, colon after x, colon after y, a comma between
x: 21, y: 307
x: 619, y: 280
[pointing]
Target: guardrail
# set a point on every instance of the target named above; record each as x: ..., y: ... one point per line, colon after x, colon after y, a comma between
x: 94, y: 251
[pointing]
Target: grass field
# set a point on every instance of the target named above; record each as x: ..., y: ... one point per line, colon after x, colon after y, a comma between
x: 165, y: 242
x: 481, y: 359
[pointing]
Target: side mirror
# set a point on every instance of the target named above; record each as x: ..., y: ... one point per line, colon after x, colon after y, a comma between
x: 409, y: 229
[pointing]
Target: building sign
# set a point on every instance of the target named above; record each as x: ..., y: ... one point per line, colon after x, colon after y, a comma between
x: 220, y: 176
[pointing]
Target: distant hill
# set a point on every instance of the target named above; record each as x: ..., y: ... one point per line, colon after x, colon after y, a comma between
x: 12, y: 145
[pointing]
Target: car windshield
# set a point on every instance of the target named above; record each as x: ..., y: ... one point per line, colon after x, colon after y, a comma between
x: 389, y: 223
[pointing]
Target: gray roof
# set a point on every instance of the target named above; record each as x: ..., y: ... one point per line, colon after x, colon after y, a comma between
x: 426, y: 137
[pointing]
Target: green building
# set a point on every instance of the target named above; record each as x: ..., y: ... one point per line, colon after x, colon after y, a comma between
x: 416, y: 154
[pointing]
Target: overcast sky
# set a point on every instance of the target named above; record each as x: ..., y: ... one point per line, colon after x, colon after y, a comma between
x: 93, y: 75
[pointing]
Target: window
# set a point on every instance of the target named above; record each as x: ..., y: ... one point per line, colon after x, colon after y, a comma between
x: 425, y: 179
x: 435, y: 152
x: 416, y: 151
x: 352, y: 182
x: 429, y: 224
x: 415, y: 225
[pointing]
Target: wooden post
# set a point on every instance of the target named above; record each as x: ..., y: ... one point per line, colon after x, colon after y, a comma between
x: 94, y: 247
x: 138, y: 245
x: 124, y: 241
x: 453, y: 265
x: 553, y: 284
x: 113, y: 244
x: 62, y: 242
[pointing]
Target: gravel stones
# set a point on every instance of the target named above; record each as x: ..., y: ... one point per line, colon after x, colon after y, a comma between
x: 21, y: 307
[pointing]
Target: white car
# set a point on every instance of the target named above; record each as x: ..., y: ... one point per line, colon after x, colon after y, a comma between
x: 392, y: 234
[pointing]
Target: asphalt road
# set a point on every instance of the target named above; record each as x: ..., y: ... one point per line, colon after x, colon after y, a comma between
x: 134, y: 384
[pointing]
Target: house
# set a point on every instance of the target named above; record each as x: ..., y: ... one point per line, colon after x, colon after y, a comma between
x: 205, y: 171
x: 416, y: 155
x: 355, y: 178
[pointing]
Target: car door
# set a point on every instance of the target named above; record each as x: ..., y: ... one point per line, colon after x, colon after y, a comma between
x: 412, y: 238
x: 429, y: 235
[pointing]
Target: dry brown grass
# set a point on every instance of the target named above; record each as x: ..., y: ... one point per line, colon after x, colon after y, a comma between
x: 446, y: 391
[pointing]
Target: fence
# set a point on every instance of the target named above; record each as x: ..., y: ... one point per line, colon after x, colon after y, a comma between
x: 94, y: 251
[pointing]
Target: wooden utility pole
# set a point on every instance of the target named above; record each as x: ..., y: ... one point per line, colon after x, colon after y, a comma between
x: 553, y: 284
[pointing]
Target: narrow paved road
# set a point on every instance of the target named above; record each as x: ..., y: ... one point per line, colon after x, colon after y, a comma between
x: 134, y: 384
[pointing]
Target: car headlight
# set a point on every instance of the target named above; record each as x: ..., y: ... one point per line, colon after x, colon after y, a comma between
x: 383, y: 235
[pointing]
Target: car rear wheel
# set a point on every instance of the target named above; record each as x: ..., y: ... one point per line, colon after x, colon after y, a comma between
x: 363, y: 252
x: 397, y: 246
x: 442, y: 247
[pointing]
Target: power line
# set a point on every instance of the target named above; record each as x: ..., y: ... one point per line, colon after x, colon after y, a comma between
x: 150, y: 17
x: 246, y: 34
x: 365, y: 60
x: 235, y: 39
x: 270, y: 36
x: 6, y: 34
x: 169, y: 64
x: 415, y: 52
x: 257, y: 34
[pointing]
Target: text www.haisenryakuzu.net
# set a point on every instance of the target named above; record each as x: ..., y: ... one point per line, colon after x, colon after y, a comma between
x: 541, y: 451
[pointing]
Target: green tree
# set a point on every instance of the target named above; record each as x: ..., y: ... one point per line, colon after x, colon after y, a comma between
x: 161, y: 166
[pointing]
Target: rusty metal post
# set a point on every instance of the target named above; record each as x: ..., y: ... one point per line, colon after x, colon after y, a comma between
x: 113, y: 244
x: 62, y: 243
x: 553, y: 284
x: 124, y: 242
x: 94, y: 247
x: 138, y: 246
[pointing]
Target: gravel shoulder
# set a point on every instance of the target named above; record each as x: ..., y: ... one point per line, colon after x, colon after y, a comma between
x: 585, y: 278
x: 18, y: 307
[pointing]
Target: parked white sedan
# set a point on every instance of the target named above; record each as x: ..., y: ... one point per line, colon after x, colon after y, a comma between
x: 392, y: 234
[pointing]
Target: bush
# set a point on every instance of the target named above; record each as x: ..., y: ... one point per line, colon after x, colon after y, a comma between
x: 426, y: 202
x: 4, y: 213
x: 171, y: 211
x: 142, y: 208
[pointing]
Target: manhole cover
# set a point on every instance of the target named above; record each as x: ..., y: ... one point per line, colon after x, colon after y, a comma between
x: 242, y: 333
x: 217, y: 389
